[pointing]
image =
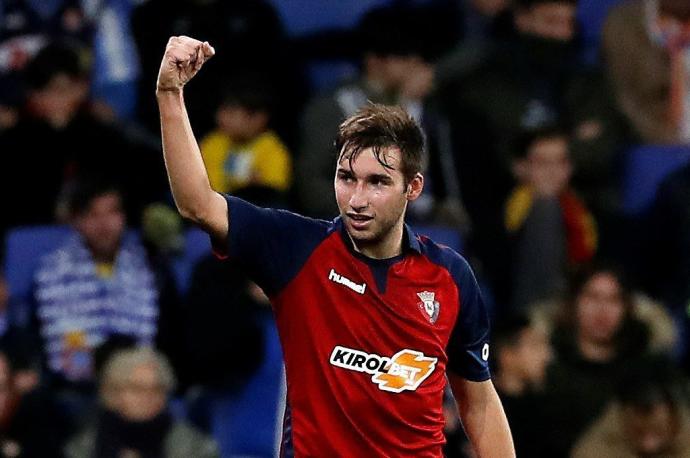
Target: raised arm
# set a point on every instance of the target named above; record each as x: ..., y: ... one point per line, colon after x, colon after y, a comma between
x: 482, y: 417
x: 194, y: 197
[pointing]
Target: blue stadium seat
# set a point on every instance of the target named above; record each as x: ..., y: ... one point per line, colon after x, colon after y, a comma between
x: 302, y: 17
x: 591, y: 16
x: 24, y: 247
x: 443, y: 235
x: 197, y: 245
x: 248, y: 424
x: 645, y: 169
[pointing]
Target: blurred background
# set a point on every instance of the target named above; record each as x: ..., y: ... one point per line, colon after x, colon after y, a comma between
x: 558, y: 163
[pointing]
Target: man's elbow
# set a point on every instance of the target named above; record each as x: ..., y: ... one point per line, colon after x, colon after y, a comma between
x: 194, y: 213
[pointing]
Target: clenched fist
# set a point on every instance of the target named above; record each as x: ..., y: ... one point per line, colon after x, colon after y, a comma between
x: 183, y: 58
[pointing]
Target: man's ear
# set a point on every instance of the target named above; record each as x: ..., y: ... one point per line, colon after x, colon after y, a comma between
x: 415, y: 187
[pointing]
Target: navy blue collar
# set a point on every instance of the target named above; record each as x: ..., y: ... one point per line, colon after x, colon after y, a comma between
x: 410, y: 240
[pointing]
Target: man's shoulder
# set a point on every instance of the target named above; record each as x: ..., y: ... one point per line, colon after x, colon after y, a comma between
x: 445, y: 257
x: 279, y: 222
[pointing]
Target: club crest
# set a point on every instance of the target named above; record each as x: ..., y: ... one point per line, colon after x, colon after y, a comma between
x: 429, y: 306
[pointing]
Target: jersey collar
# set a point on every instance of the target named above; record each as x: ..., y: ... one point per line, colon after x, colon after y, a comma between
x: 410, y: 240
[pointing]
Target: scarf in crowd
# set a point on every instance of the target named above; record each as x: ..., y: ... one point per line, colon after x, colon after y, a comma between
x: 580, y: 228
x: 78, y: 308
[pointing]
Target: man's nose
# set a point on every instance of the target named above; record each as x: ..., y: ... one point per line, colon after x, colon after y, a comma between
x: 359, y: 199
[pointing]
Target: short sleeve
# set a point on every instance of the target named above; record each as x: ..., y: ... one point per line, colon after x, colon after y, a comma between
x: 468, y: 347
x: 271, y: 244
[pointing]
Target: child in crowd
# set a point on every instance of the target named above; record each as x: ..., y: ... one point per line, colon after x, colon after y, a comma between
x: 243, y: 152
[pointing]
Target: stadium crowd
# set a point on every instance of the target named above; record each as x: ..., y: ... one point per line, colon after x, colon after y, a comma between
x: 557, y: 137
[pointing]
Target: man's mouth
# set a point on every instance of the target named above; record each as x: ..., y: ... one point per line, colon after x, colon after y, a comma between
x: 359, y: 221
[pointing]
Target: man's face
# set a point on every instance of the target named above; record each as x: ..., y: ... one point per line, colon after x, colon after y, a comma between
x: 372, y: 198
x: 393, y: 72
x: 600, y: 308
x: 547, y: 167
x: 241, y: 124
x: 650, y: 432
x: 141, y: 397
x: 551, y: 20
x: 60, y: 99
x: 102, y: 225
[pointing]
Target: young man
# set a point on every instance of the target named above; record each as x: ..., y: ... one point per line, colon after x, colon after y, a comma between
x: 369, y: 314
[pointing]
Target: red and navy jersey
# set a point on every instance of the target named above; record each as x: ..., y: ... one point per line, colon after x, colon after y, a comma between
x: 366, y: 342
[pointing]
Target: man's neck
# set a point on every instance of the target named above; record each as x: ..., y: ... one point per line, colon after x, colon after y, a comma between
x: 390, y: 246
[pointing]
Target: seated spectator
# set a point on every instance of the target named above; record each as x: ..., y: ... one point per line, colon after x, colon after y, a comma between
x: 31, y: 425
x: 99, y: 283
x: 223, y: 310
x: 393, y: 72
x: 648, y: 418
x: 551, y: 228
x: 521, y: 84
x: 57, y: 139
x: 521, y: 353
x: 646, y: 46
x: 243, y: 152
x: 597, y: 340
x: 133, y: 419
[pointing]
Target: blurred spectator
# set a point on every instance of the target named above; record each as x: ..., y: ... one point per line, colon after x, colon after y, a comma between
x: 242, y: 151
x: 598, y: 338
x: 646, y: 45
x: 98, y: 284
x: 521, y: 84
x: 58, y: 140
x: 31, y: 425
x: 393, y: 72
x: 248, y: 36
x: 223, y: 307
x: 133, y: 419
x: 485, y: 19
x: 522, y: 352
x: 28, y: 25
x: 648, y: 418
x: 552, y: 229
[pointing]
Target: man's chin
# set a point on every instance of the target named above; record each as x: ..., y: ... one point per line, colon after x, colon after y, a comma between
x: 361, y: 236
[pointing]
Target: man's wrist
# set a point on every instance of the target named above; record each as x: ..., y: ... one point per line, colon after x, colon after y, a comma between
x: 168, y: 92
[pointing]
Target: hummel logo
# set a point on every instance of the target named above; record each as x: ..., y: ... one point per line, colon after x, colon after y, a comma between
x: 336, y: 277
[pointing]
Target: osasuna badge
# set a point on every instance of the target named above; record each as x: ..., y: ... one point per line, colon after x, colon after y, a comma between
x: 428, y: 305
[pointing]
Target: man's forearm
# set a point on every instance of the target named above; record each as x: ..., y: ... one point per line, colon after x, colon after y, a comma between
x: 483, y: 418
x: 186, y: 171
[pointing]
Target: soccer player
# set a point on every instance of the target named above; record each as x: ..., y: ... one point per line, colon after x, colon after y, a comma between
x: 371, y: 316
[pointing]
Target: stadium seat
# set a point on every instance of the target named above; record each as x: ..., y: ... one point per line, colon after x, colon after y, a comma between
x: 197, y: 245
x: 591, y: 16
x: 302, y: 17
x: 645, y: 168
x: 24, y: 247
x: 249, y: 423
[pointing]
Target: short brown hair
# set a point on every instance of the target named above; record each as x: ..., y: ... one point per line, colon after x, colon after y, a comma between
x: 378, y: 127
